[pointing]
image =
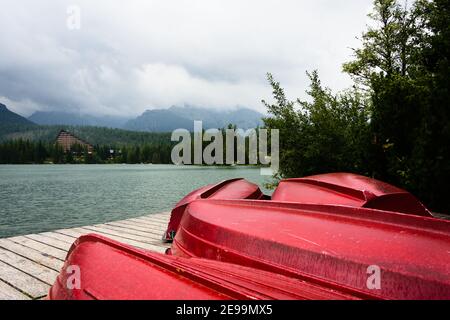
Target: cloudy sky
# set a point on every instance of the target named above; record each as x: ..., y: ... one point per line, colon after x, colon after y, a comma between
x: 127, y: 57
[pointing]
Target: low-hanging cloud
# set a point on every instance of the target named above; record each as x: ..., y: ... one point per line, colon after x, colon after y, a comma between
x: 129, y: 57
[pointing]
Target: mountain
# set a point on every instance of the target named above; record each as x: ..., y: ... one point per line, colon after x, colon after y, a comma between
x: 163, y: 120
x: 8, y: 117
x: 12, y: 122
x: 73, y: 119
x: 159, y: 121
x: 243, y: 118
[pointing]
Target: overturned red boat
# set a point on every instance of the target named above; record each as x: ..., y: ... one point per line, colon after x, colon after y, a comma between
x: 336, y: 236
x: 350, y: 190
x: 111, y: 270
x: 230, y: 189
x: 323, y: 243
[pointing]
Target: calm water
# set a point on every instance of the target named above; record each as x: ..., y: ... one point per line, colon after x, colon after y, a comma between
x: 38, y: 198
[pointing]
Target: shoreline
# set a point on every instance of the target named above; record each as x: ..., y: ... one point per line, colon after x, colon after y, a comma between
x: 143, y: 164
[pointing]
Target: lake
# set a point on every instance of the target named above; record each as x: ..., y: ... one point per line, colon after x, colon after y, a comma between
x: 38, y: 198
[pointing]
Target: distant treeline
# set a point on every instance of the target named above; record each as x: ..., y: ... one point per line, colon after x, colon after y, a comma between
x: 156, y: 150
x: 30, y: 152
x: 94, y: 135
x: 28, y: 144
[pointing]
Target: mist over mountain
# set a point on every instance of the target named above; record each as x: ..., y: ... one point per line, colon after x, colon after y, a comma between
x: 73, y: 119
x: 163, y: 120
x: 157, y: 120
x: 152, y: 125
x: 243, y: 118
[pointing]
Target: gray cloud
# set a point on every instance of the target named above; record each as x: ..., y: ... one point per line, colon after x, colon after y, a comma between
x: 129, y: 57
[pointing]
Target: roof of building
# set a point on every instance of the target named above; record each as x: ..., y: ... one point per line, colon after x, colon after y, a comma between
x: 62, y: 131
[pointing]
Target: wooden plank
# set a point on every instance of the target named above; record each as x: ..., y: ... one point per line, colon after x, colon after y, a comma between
x: 145, y: 220
x: 151, y: 228
x: 50, y: 241
x: 32, y: 254
x: 48, y: 250
x: 165, y: 214
x: 122, y: 234
x: 144, y: 223
x: 9, y: 293
x: 160, y: 218
x: 157, y: 224
x: 131, y: 226
x: 60, y: 237
x: 145, y: 234
x: 157, y: 246
x: 27, y: 266
x: 22, y: 281
x: 138, y: 244
x: 70, y: 233
x: 162, y: 214
x: 148, y: 223
x: 152, y: 220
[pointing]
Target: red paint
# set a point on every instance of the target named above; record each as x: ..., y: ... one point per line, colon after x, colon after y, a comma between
x: 323, y: 244
x: 111, y: 270
x: 230, y: 189
x: 350, y: 190
x: 316, y: 239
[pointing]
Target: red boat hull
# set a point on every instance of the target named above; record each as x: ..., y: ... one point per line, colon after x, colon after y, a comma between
x: 349, y: 190
x: 111, y: 270
x: 323, y: 244
x: 230, y: 189
x: 336, y: 236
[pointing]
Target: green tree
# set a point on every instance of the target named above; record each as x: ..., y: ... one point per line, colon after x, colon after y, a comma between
x: 403, y: 63
x: 328, y: 133
x: 388, y: 46
x: 57, y: 154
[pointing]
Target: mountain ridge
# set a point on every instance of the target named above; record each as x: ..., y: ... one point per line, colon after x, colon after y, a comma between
x: 14, y: 126
x: 9, y: 117
x: 157, y: 120
x: 68, y: 118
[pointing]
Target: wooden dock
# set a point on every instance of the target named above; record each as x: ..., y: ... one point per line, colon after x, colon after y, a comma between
x: 29, y: 264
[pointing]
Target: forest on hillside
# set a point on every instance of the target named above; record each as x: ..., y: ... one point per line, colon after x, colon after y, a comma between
x: 34, y: 144
x: 94, y: 135
x: 38, y: 152
x: 110, y: 146
x: 394, y: 123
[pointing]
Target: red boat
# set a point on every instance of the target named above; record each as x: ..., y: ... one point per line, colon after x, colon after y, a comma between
x: 350, y: 190
x: 337, y: 236
x: 335, y: 189
x: 111, y: 270
x: 317, y: 243
x: 230, y: 189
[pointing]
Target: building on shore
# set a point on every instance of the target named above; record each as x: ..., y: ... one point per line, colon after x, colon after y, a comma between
x: 67, y: 140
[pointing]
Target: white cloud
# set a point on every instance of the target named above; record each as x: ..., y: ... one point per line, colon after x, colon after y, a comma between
x: 128, y: 57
